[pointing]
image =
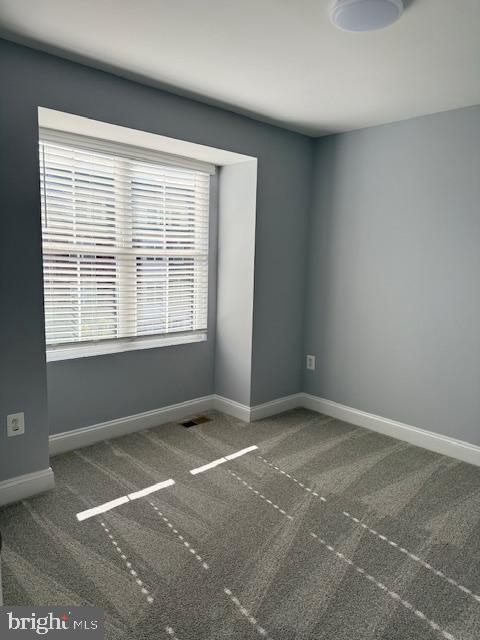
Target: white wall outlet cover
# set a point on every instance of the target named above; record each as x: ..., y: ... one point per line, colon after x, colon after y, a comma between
x: 311, y: 362
x: 15, y: 424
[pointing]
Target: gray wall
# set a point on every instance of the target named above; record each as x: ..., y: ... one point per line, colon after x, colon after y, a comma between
x: 23, y: 380
x: 86, y: 391
x: 393, y: 303
x: 280, y: 265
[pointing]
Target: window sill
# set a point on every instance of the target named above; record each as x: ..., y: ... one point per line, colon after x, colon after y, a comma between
x: 54, y: 354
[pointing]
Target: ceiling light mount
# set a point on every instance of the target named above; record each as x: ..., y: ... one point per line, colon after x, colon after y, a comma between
x: 365, y: 15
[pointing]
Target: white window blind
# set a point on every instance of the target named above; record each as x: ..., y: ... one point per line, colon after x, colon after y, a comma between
x: 125, y: 242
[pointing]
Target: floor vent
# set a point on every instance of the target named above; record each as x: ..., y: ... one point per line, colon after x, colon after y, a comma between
x: 195, y: 421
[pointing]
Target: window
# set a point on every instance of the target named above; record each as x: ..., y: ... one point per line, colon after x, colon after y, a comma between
x: 125, y: 246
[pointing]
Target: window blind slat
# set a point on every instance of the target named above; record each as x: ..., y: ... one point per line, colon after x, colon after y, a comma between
x: 125, y: 241
x: 69, y: 142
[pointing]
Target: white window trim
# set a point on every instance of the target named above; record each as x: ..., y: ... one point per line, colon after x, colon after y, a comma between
x: 120, y: 345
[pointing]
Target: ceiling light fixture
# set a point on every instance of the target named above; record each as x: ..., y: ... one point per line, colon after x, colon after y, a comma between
x: 365, y: 15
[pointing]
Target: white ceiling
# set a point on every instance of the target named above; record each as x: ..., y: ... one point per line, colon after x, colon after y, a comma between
x: 278, y: 60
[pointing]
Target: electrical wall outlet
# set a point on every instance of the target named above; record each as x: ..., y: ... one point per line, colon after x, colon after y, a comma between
x: 15, y: 424
x: 311, y: 363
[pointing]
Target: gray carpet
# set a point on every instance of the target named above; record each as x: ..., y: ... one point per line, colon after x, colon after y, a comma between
x: 328, y: 531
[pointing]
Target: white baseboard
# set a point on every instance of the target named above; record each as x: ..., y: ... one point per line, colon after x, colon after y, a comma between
x: 85, y: 436
x: 419, y: 437
x: 259, y: 411
x: 274, y: 407
x: 232, y: 408
x: 29, y: 484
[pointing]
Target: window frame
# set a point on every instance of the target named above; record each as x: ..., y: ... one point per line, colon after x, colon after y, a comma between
x: 88, y: 348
